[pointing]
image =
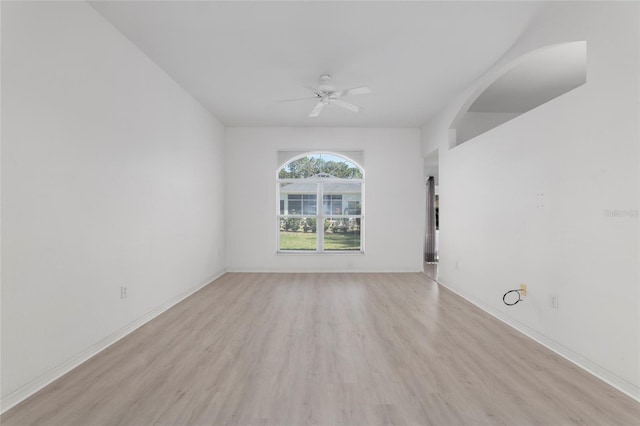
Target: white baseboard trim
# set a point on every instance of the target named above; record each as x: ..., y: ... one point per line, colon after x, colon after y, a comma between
x: 321, y: 271
x: 19, y: 395
x: 601, y: 373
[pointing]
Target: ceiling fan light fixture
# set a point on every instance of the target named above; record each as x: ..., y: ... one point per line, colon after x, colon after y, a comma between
x: 325, y: 83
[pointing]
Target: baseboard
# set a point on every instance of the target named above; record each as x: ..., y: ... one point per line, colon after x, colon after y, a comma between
x: 321, y: 271
x: 35, y: 385
x: 601, y: 373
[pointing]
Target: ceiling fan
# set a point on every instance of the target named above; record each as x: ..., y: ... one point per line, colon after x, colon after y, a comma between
x: 327, y: 94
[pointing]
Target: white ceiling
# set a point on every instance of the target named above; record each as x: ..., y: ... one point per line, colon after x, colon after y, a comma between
x: 239, y: 58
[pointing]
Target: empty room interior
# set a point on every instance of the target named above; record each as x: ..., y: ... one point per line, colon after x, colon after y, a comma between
x: 320, y: 212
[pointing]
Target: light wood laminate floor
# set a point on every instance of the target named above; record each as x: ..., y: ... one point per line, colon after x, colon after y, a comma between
x: 327, y: 349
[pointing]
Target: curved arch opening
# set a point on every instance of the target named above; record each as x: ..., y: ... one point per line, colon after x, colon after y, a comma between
x: 528, y: 82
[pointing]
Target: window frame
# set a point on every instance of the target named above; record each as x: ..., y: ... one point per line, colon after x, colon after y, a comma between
x: 320, y: 215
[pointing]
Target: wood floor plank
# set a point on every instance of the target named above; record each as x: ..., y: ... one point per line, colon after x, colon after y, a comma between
x: 326, y: 349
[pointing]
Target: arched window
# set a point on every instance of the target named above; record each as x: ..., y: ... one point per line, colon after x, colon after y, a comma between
x: 321, y: 205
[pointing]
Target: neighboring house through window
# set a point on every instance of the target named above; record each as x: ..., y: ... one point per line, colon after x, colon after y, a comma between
x: 333, y: 226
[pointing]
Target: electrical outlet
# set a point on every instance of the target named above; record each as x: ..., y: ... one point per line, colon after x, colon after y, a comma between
x: 523, y: 289
x: 457, y: 265
x: 553, y: 301
x: 123, y: 292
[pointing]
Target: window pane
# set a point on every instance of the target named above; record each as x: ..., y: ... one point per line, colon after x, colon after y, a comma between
x: 309, y: 204
x: 298, y: 233
x: 309, y: 207
x: 298, y: 198
x: 353, y: 208
x: 295, y: 207
x: 342, y: 233
x: 332, y: 204
x: 325, y: 165
x: 297, y: 204
x: 342, y: 198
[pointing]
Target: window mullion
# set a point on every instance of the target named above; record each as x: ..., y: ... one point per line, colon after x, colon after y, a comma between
x: 320, y: 218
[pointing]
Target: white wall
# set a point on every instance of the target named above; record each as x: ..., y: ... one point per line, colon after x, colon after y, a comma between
x: 111, y: 175
x: 394, y: 194
x: 581, y: 151
x: 475, y: 123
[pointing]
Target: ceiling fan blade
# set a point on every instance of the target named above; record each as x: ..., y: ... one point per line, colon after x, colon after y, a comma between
x: 314, y: 90
x: 308, y: 98
x: 355, y: 91
x: 317, y: 109
x: 347, y: 105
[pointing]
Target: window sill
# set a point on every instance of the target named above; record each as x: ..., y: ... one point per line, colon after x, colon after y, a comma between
x: 322, y: 253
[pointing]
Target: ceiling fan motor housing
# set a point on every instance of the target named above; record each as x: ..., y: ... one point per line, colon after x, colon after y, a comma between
x: 325, y: 83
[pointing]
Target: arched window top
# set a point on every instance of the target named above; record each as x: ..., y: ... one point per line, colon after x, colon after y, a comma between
x: 320, y: 165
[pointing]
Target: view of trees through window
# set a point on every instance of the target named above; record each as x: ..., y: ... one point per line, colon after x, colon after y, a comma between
x: 317, y: 164
x: 334, y: 224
